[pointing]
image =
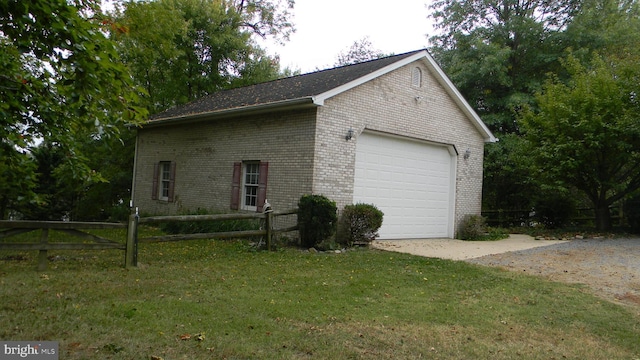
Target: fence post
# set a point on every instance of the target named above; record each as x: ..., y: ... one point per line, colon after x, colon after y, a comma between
x: 267, y: 210
x: 131, y: 252
x: 269, y: 227
x: 42, y: 255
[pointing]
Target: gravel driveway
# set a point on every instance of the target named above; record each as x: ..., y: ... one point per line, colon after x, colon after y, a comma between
x: 609, y: 267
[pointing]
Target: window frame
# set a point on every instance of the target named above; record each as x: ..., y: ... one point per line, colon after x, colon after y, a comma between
x: 250, y: 185
x: 239, y: 185
x: 416, y: 77
x: 164, y: 175
x: 164, y: 180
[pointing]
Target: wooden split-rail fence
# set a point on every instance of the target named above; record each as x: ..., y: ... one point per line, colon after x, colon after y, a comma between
x: 130, y: 247
x: 77, y: 229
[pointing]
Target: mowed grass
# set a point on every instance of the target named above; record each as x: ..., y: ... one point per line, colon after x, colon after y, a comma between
x: 224, y: 300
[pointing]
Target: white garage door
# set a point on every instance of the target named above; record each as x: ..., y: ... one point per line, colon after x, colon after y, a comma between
x: 410, y: 181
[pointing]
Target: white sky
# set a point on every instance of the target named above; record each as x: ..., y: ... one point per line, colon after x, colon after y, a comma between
x: 327, y: 27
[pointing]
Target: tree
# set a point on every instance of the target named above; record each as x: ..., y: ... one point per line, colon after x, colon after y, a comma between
x: 181, y: 50
x: 586, y: 132
x: 507, y: 184
x: 604, y: 26
x: 17, y: 179
x: 108, y: 200
x: 55, y: 196
x: 265, y: 17
x: 60, y: 79
x: 497, y: 52
x: 360, y: 51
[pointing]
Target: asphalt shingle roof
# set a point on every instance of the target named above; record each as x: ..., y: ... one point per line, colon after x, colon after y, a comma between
x: 295, y: 87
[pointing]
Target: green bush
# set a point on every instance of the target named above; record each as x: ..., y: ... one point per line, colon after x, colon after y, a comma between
x: 359, y: 223
x: 317, y: 219
x: 473, y: 227
x: 493, y: 234
x: 119, y: 212
x: 197, y: 227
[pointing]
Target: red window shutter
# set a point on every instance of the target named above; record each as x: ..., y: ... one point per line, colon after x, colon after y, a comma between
x: 154, y: 187
x: 263, y: 172
x: 172, y: 180
x: 235, y: 186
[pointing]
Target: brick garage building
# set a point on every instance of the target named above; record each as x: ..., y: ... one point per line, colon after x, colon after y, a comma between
x: 393, y: 132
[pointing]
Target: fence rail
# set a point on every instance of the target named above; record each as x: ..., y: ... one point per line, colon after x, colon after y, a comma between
x: 183, y: 218
x: 268, y: 230
x: 16, y: 227
x: 10, y: 228
x: 525, y: 218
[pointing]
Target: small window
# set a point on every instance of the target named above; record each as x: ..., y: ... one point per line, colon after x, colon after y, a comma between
x: 250, y: 186
x: 416, y: 77
x: 164, y: 180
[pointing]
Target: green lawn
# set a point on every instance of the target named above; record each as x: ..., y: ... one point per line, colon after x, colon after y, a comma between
x: 223, y: 300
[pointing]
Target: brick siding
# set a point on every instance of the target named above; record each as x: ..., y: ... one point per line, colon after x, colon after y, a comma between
x: 204, y: 153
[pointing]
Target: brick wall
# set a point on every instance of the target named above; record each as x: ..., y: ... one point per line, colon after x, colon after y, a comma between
x: 391, y: 104
x: 204, y: 153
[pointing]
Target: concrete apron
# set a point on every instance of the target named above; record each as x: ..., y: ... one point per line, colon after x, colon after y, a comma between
x: 459, y: 249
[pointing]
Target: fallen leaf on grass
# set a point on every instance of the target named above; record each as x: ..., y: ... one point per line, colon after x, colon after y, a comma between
x: 185, y: 336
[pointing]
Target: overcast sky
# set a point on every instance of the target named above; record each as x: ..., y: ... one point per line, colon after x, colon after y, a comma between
x: 327, y: 27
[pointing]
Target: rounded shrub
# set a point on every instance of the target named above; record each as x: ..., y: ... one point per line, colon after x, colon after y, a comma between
x: 473, y: 227
x: 359, y: 223
x: 317, y: 219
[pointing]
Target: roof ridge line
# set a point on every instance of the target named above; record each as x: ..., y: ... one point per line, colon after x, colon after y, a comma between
x: 347, y: 65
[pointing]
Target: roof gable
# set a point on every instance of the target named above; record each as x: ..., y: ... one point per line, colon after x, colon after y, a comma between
x: 309, y: 90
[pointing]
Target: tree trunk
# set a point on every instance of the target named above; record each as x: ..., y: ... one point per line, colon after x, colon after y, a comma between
x: 603, y: 217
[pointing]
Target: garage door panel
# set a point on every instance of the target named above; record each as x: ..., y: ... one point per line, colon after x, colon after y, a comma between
x: 409, y: 181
